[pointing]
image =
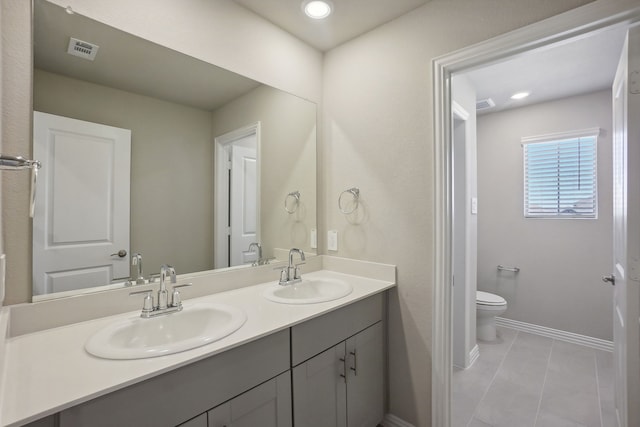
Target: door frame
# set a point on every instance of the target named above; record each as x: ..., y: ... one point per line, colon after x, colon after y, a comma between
x: 221, y: 188
x: 579, y: 22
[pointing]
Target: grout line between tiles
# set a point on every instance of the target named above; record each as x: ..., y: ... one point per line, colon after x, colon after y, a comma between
x: 595, y: 361
x: 493, y: 378
x: 544, y: 382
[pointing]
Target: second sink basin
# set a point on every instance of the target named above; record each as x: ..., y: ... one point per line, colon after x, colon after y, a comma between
x: 309, y: 291
x: 139, y: 338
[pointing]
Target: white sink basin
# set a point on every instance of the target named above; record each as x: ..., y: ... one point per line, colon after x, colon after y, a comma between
x: 138, y: 338
x: 309, y: 291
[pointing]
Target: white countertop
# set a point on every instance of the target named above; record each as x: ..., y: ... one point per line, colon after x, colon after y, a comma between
x: 49, y: 370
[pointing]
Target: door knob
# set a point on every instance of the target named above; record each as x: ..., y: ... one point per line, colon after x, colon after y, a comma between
x: 611, y: 279
x: 121, y: 253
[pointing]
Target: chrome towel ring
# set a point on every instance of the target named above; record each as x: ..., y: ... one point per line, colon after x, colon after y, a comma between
x: 355, y: 196
x: 19, y: 163
x: 294, y: 199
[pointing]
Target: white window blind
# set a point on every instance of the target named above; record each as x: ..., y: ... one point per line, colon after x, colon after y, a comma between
x: 560, y: 179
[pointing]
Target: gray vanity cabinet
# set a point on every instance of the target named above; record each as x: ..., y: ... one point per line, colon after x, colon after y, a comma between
x: 330, y: 368
x: 267, y: 405
x: 341, y: 386
x: 177, y: 396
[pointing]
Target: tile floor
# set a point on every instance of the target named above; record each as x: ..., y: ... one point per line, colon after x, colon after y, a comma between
x: 534, y: 381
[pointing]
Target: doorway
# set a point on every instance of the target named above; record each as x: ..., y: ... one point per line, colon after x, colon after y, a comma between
x: 237, y: 196
x: 592, y: 18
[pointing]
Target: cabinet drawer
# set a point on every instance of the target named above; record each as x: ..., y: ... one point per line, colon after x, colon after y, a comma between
x: 177, y: 396
x: 316, y: 335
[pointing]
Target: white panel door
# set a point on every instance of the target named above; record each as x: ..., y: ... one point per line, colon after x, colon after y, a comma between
x: 244, y: 203
x: 82, y: 206
x: 626, y: 233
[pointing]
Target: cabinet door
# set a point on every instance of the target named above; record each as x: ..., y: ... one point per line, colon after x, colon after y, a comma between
x: 267, y: 405
x: 199, y: 421
x: 365, y: 395
x: 319, y: 390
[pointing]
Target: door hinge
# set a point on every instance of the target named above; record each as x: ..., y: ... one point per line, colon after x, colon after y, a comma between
x: 228, y: 164
x: 634, y: 82
x: 634, y: 269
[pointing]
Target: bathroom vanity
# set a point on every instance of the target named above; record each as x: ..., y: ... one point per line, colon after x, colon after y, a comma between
x: 289, y: 364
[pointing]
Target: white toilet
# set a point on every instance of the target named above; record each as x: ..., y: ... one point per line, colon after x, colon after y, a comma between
x: 488, y: 306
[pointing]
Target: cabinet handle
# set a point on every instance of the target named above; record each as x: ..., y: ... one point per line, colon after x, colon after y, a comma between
x: 344, y: 369
x: 354, y: 368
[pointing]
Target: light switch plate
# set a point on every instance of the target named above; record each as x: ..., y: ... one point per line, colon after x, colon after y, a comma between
x: 332, y: 240
x: 474, y: 205
x: 314, y: 238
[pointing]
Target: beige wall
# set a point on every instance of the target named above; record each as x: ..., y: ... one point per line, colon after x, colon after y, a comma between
x: 561, y: 261
x: 378, y: 135
x: 16, y: 137
x: 287, y: 163
x: 171, y: 205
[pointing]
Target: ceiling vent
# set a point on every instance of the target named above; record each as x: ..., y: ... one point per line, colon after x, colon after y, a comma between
x: 484, y: 104
x: 82, y: 49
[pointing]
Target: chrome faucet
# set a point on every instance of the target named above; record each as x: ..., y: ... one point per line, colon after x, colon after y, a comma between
x: 136, y: 260
x: 291, y: 274
x: 149, y: 309
x: 163, y: 294
x: 259, y: 248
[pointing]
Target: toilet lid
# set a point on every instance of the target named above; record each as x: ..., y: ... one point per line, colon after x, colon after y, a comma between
x: 486, y: 298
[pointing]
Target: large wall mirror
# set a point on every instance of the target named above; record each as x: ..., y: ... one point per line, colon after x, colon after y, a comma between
x: 148, y: 151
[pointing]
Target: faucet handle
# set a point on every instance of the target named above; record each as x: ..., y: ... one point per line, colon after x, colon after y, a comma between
x: 176, y: 301
x: 147, y: 305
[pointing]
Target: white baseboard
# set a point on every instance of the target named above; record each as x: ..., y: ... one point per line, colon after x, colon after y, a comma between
x: 391, y: 420
x: 556, y: 334
x: 471, y: 358
x: 473, y: 355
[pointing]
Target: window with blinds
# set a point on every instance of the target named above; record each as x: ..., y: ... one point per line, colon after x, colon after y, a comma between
x: 560, y: 176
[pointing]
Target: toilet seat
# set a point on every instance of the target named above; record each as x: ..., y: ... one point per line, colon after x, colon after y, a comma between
x: 489, y: 299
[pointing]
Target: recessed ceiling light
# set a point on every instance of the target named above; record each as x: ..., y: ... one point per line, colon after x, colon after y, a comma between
x: 520, y: 95
x: 317, y: 9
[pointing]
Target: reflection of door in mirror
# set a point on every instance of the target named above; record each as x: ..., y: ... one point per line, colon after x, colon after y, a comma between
x: 238, y: 195
x: 81, y: 221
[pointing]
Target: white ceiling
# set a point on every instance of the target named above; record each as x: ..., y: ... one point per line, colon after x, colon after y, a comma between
x: 349, y: 19
x: 571, y: 68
